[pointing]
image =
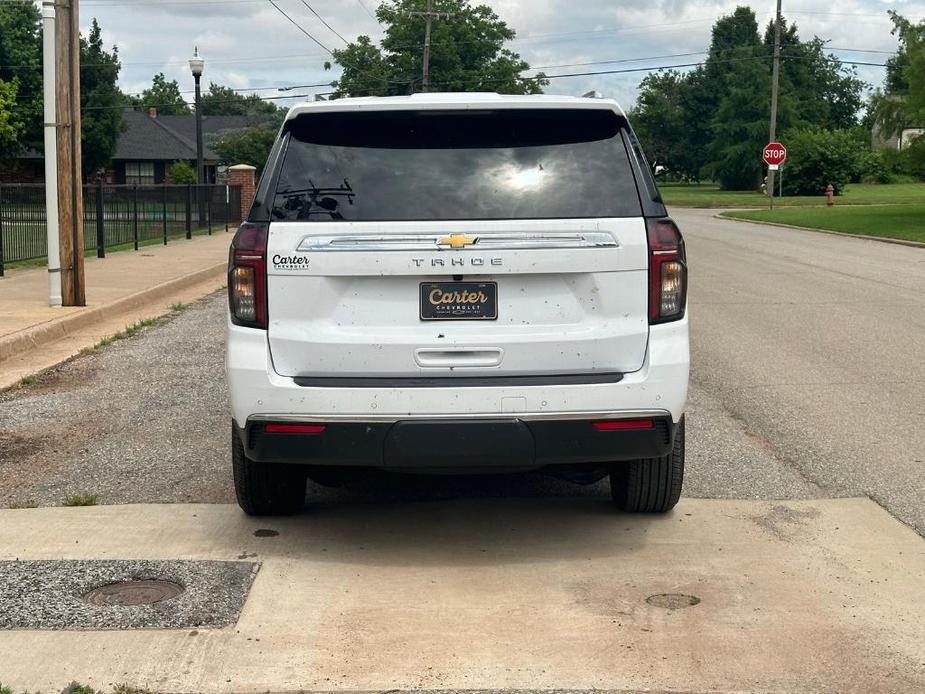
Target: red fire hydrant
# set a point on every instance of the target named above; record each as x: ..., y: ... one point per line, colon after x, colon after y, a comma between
x: 830, y: 196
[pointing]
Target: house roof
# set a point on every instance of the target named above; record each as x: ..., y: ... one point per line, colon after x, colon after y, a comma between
x: 171, y: 137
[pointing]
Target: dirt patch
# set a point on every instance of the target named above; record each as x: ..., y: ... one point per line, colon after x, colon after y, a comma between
x: 785, y: 523
x: 14, y: 447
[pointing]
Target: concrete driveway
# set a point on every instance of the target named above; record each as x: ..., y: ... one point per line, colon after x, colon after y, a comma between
x: 504, y: 595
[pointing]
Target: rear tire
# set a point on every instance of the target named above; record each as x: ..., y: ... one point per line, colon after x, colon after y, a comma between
x: 266, y: 489
x: 650, y: 485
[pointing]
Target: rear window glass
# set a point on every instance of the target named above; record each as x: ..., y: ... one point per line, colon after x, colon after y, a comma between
x: 432, y: 165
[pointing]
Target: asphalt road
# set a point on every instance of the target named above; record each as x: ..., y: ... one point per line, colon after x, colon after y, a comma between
x: 816, y: 344
x: 807, y: 382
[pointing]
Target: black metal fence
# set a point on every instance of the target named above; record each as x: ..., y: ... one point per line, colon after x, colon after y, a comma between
x: 116, y: 216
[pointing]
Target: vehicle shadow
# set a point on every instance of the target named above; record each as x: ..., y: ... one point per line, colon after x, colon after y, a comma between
x: 392, y: 520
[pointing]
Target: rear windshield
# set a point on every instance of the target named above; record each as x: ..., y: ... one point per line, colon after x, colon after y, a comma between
x: 433, y: 165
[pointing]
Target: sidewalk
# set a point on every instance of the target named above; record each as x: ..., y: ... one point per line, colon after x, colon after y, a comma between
x: 512, y: 594
x: 122, y: 289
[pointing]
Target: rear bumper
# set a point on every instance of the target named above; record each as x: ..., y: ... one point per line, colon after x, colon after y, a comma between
x: 477, y: 444
x: 257, y: 392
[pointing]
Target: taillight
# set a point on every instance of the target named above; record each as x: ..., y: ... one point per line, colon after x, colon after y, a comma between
x: 667, y: 271
x: 247, y: 276
x: 308, y: 429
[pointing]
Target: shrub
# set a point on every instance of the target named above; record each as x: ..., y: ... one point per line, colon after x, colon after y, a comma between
x: 895, y: 166
x: 874, y: 169
x: 181, y: 172
x: 914, y: 156
x: 818, y: 157
x: 885, y: 166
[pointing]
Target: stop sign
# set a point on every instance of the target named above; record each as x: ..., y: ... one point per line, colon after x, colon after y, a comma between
x: 775, y: 154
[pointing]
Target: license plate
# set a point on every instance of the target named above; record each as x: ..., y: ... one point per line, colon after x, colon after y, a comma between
x: 459, y: 301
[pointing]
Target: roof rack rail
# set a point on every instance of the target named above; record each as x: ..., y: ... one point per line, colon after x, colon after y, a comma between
x: 593, y: 94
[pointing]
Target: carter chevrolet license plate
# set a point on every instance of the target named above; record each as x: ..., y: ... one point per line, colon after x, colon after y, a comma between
x: 459, y: 300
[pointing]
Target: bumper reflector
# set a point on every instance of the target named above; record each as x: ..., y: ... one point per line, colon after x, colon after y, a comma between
x: 624, y: 424
x: 294, y: 428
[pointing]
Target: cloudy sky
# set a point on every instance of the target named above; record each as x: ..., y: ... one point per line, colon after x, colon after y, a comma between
x: 249, y: 44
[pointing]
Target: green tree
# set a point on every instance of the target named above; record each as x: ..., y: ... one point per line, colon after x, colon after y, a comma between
x: 467, y: 53
x: 10, y: 125
x: 732, y: 56
x: 903, y: 105
x: 245, y: 146
x: 659, y: 121
x: 737, y: 78
x: 225, y: 101
x: 815, y: 88
x: 740, y: 127
x: 21, y: 64
x: 100, y: 101
x: 912, y: 37
x: 165, y: 97
x: 724, y: 104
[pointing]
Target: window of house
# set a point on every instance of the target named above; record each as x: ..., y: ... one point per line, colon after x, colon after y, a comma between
x: 139, y: 173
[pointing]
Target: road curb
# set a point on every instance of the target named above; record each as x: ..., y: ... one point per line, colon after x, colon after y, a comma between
x: 884, y: 239
x: 59, y: 328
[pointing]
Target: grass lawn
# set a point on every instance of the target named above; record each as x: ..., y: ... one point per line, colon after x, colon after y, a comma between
x: 709, y: 195
x: 891, y: 221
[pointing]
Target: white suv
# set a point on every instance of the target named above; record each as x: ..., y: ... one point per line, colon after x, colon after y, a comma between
x: 454, y: 283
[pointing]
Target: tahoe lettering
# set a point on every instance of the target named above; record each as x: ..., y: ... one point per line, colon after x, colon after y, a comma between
x: 441, y: 262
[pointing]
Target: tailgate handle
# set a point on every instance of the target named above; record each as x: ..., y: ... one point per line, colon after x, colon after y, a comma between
x: 458, y: 357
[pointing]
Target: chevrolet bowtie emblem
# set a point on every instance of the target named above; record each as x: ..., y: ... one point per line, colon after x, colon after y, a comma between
x: 457, y: 240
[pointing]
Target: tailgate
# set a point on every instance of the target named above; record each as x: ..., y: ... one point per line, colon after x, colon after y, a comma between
x: 345, y: 299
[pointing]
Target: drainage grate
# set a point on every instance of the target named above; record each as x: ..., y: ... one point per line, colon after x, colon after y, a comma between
x: 673, y: 601
x: 133, y: 593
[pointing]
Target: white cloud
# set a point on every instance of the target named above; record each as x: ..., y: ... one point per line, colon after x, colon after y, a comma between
x: 240, y: 38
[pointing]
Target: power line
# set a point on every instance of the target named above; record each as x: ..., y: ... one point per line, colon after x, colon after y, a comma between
x: 784, y: 57
x: 333, y: 30
x: 298, y: 26
x: 621, y: 71
x: 363, y: 5
x: 859, y: 50
x: 618, y: 60
x: 301, y: 56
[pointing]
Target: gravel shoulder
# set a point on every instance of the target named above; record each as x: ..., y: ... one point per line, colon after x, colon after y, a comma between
x: 145, y: 420
x: 138, y: 420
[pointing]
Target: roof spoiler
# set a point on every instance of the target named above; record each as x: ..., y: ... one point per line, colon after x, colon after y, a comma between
x: 593, y: 94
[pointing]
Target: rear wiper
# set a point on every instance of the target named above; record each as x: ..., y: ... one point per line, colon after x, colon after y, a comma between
x: 314, y: 192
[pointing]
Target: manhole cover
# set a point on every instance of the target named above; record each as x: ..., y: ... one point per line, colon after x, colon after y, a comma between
x: 672, y: 601
x: 131, y: 593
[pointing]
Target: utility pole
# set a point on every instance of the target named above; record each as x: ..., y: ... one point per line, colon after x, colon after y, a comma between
x: 429, y: 16
x: 775, y: 88
x: 63, y: 161
x: 51, y: 151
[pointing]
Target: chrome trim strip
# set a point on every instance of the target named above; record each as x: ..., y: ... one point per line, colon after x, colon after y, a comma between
x: 430, y: 242
x: 527, y: 416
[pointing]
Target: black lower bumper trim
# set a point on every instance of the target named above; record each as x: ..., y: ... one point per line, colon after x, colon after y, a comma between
x: 459, y: 444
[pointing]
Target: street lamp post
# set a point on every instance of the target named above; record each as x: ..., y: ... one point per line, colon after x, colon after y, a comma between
x: 196, y: 65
